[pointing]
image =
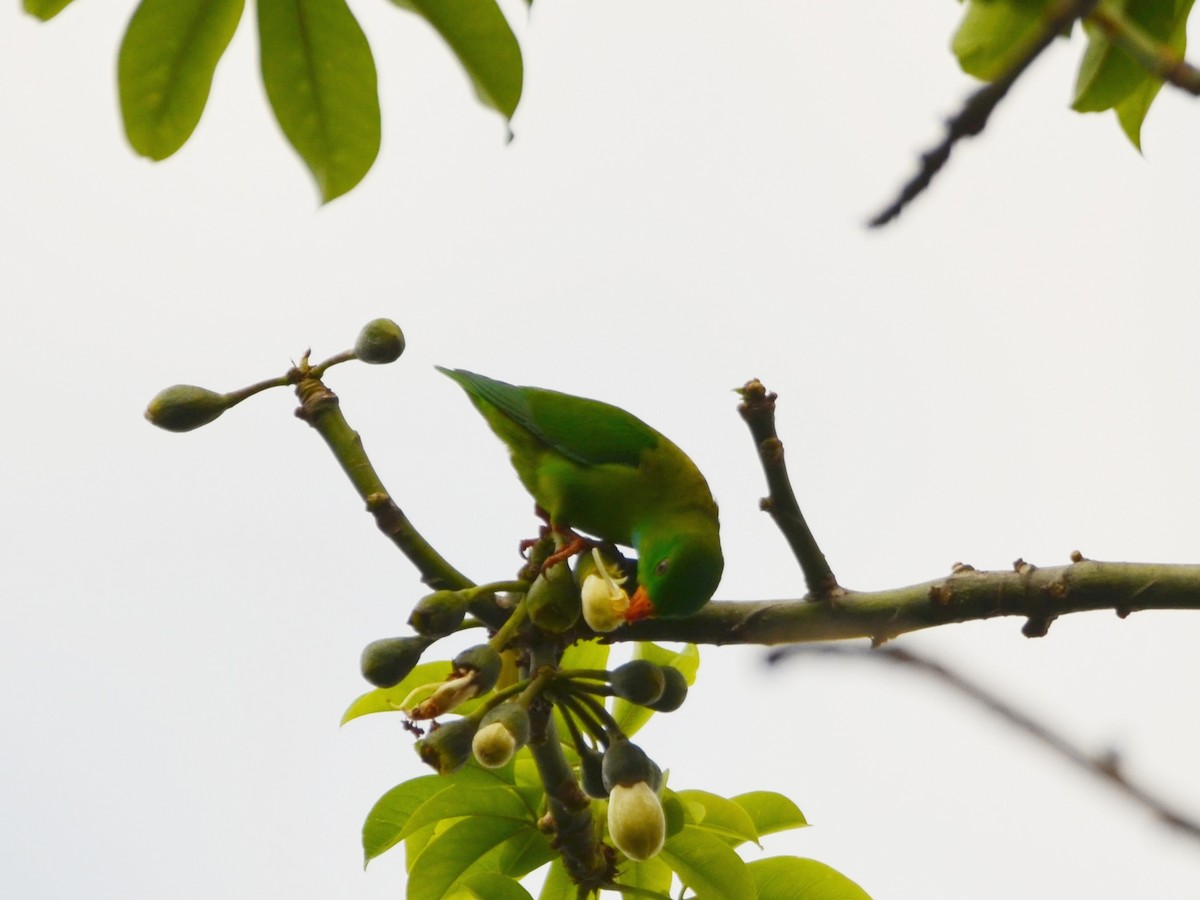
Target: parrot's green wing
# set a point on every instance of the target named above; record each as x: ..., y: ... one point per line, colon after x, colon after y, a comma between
x: 585, y: 431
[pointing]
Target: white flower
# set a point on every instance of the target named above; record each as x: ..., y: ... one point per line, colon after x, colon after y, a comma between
x: 447, y: 696
x: 636, y: 822
x: 604, y: 600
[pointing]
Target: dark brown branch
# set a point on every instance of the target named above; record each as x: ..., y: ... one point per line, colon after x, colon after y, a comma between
x: 973, y: 117
x: 758, y: 410
x: 1105, y: 766
x: 1037, y: 595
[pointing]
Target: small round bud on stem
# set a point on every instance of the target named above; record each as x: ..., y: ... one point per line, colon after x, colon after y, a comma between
x: 503, y: 731
x: 381, y: 341
x: 387, y: 661
x: 553, y: 600
x: 626, y: 763
x: 447, y: 747
x: 675, y: 689
x: 638, y: 681
x: 183, y: 407
x: 438, y: 614
x: 482, y: 660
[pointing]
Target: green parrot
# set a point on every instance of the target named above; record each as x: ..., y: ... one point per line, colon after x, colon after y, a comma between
x: 595, y: 468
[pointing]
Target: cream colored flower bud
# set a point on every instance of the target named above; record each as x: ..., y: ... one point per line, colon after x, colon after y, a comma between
x: 448, y: 695
x: 494, y: 745
x: 604, y: 600
x: 636, y: 822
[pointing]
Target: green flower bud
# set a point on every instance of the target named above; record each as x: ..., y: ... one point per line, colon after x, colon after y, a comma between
x: 387, y: 661
x: 380, y: 341
x: 591, y: 773
x: 183, y: 407
x: 636, y: 822
x: 482, y: 660
x: 638, y: 681
x: 553, y: 600
x: 503, y: 731
x: 626, y: 763
x: 438, y: 614
x: 675, y: 689
x: 447, y: 747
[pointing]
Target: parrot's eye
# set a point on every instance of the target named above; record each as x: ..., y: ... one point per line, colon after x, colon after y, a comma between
x: 661, y: 568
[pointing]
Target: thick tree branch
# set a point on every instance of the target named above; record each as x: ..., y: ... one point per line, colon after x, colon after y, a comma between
x: 973, y: 117
x: 1037, y: 595
x: 757, y: 409
x: 1105, y: 766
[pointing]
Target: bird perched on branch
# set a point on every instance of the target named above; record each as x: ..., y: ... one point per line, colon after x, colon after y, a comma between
x: 595, y: 468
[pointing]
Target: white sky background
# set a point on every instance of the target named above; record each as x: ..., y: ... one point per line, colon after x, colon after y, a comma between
x: 1011, y: 371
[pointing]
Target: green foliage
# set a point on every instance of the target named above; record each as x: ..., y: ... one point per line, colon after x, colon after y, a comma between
x: 995, y: 34
x: 320, y: 79
x: 45, y: 9
x: 793, y: 878
x: 165, y: 68
x: 480, y: 37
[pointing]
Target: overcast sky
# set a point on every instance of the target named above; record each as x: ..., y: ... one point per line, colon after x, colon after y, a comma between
x: 1009, y: 371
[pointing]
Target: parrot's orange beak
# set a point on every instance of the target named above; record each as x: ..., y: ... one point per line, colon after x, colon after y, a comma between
x: 640, y: 606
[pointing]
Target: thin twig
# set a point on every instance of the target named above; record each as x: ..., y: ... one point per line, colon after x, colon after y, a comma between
x: 1155, y: 57
x: 1105, y: 766
x: 973, y: 117
x: 758, y: 410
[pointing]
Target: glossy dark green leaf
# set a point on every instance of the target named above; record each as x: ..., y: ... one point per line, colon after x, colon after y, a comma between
x: 707, y: 865
x: 45, y: 9
x: 165, y: 68
x: 494, y: 886
x: 993, y: 34
x: 793, y: 878
x: 770, y: 812
x: 451, y: 853
x: 320, y: 78
x: 485, y: 45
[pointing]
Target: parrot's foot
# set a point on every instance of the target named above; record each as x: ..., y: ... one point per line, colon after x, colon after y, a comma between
x: 575, y: 544
x: 640, y: 606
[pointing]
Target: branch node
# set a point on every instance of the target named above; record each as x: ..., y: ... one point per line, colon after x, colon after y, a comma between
x: 1077, y: 557
x: 961, y: 568
x: 1023, y: 568
x: 1037, y: 626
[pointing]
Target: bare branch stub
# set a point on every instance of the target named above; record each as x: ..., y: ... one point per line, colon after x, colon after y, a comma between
x: 757, y: 409
x: 1104, y: 765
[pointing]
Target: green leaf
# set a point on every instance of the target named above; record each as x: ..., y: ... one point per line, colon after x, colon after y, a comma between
x: 722, y: 817
x: 480, y: 37
x: 451, y: 853
x: 558, y: 884
x: 707, y: 865
x: 45, y: 9
x: 165, y: 68
x: 494, y: 886
x: 389, y: 699
x: 1107, y: 74
x: 632, y: 717
x: 651, y: 875
x: 320, y: 79
x: 770, y: 812
x: 995, y: 33
x: 1132, y: 110
x: 461, y: 800
x: 524, y: 852
x: 387, y: 819
x: 793, y: 878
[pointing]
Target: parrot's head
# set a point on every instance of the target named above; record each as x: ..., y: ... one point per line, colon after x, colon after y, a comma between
x: 679, y: 568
